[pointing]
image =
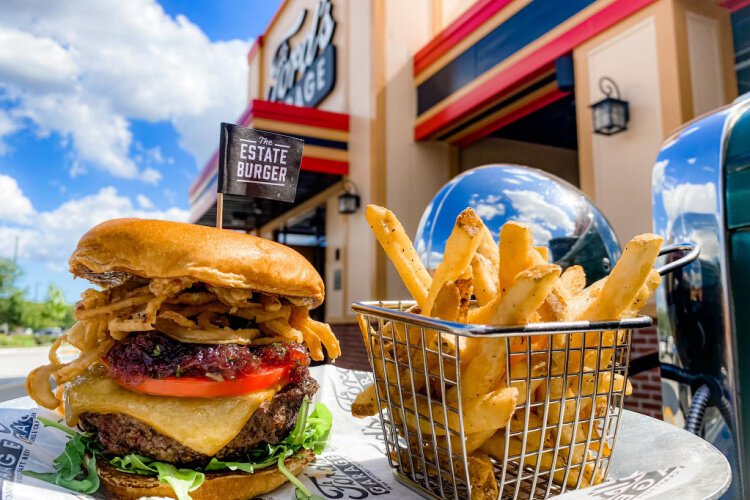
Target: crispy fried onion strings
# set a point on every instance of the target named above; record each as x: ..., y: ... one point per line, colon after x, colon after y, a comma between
x: 315, y: 334
x: 209, y: 336
x: 38, y: 382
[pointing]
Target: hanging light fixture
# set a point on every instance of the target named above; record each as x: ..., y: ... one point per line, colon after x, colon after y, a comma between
x: 349, y: 199
x: 611, y: 114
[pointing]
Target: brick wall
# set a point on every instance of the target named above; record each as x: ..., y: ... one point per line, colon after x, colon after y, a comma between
x: 353, y: 354
x: 646, y: 397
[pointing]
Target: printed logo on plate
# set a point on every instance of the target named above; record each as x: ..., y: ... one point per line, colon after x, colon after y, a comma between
x: 633, y: 486
x: 353, y: 383
x: 336, y: 476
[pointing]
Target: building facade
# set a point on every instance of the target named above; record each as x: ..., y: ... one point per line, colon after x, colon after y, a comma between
x: 395, y: 98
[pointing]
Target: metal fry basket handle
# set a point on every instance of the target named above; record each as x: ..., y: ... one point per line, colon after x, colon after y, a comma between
x: 692, y: 252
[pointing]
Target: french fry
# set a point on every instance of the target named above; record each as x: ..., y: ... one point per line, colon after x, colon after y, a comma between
x: 400, y: 250
x: 482, y: 477
x: 573, y: 279
x: 515, y: 307
x: 460, y: 248
x: 516, y: 252
x: 465, y: 289
x: 543, y: 252
x: 644, y: 294
x: 621, y: 287
x: 488, y: 249
x: 447, y: 302
x: 365, y: 404
x: 485, y: 279
x: 490, y: 411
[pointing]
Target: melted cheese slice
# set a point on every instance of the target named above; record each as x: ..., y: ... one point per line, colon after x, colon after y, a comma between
x: 204, y: 424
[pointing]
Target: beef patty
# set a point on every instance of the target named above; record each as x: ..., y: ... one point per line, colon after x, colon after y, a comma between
x: 121, y: 434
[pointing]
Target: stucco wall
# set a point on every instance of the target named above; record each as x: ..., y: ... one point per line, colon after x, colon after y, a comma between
x: 558, y: 161
x: 414, y: 171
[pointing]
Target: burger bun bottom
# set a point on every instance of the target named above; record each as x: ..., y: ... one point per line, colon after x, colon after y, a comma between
x: 217, y: 486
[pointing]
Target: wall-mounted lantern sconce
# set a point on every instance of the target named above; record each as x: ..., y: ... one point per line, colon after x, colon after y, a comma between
x: 349, y: 199
x: 611, y: 114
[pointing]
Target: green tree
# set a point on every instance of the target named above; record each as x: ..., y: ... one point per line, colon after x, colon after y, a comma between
x: 55, y: 310
x: 16, y: 311
x: 12, y: 309
x: 9, y: 273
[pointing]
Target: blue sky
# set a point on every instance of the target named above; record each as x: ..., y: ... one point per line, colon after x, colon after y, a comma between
x: 110, y: 109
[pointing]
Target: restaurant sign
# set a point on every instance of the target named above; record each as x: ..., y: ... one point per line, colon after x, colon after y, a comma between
x: 305, y: 74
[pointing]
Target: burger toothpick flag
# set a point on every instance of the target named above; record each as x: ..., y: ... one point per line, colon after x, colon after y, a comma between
x: 257, y: 164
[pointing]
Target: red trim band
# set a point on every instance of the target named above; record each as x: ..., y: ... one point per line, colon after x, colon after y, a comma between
x: 324, y: 166
x: 463, y: 26
x: 511, y: 117
x: 735, y: 5
x: 301, y: 115
x: 485, y: 93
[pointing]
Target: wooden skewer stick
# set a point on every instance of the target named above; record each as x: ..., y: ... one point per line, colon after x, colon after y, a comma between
x: 219, y: 210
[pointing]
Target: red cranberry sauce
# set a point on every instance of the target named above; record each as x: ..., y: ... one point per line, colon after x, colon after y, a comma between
x: 152, y: 355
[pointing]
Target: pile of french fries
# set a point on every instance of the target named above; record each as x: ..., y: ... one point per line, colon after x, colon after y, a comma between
x: 502, y: 380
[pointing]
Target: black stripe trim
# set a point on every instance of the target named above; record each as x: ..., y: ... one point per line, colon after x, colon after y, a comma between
x: 499, y: 105
x: 326, y: 143
x: 528, y: 24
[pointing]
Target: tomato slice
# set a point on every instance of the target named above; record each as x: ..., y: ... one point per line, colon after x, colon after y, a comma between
x: 204, y: 387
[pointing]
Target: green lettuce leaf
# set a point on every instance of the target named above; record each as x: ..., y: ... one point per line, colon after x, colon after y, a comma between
x: 75, y: 467
x: 216, y: 465
x: 134, y: 464
x: 182, y: 481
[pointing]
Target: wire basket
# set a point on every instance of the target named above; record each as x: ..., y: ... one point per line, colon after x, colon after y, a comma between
x: 544, y: 450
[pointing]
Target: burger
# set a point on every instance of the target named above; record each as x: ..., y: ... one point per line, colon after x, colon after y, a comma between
x: 192, y: 378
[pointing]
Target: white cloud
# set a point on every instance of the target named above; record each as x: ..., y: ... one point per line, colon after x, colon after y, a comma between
x: 144, y: 202
x: 489, y: 207
x: 85, y: 69
x: 32, y: 61
x: 15, y: 206
x: 542, y: 216
x: 48, y: 238
x: 658, y: 175
x: 7, y: 126
x: 689, y: 198
x: 151, y: 176
x: 150, y: 155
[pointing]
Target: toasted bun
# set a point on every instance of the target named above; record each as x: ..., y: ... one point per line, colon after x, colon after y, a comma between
x: 161, y: 249
x: 217, y: 486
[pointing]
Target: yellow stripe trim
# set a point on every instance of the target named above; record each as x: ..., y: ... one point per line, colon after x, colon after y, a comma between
x: 326, y: 153
x: 502, y: 66
x: 297, y: 129
x: 479, y: 33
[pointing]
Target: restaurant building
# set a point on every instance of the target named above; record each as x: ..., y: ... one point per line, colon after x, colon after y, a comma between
x: 395, y: 98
